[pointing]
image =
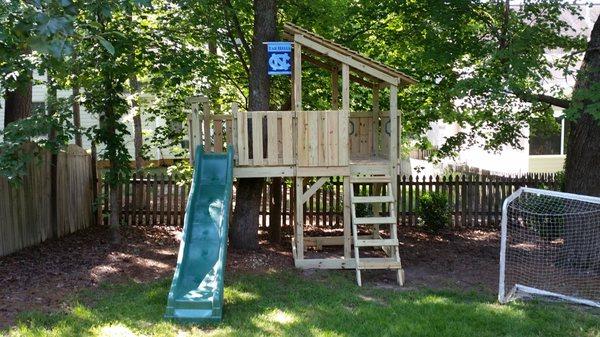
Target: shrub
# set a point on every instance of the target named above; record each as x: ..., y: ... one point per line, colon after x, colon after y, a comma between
x: 433, y: 211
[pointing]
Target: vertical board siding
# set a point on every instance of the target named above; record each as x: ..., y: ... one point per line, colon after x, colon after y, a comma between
x: 25, y: 210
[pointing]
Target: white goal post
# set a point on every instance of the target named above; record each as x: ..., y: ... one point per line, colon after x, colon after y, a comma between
x: 550, y: 247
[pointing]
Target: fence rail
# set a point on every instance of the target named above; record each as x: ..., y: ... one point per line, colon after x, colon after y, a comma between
x: 475, y: 201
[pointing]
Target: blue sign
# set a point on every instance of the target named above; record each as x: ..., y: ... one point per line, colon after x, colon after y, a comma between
x: 280, y: 56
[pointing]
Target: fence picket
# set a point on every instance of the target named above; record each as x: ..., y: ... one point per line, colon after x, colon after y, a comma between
x: 474, y: 201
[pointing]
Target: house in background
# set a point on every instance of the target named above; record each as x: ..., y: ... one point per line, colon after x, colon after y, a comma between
x: 87, y: 120
x: 542, y: 151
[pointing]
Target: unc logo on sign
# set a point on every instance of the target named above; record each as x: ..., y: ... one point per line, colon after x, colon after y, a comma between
x: 279, y: 58
x: 279, y: 62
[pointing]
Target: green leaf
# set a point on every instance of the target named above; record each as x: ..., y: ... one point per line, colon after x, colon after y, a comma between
x: 107, y: 45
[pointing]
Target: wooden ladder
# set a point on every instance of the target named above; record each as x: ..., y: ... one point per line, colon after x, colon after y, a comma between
x: 390, y: 246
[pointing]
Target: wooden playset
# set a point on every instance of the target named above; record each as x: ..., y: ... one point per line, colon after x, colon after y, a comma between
x: 361, y: 147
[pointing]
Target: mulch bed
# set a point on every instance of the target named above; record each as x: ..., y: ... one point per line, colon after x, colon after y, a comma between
x: 46, y: 276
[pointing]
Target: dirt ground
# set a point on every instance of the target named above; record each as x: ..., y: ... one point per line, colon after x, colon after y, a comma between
x: 44, y: 277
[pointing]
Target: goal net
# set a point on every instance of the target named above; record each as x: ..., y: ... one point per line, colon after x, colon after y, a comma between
x: 550, y: 246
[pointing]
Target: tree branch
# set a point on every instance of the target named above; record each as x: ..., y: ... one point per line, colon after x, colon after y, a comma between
x: 535, y: 98
x: 238, y: 27
x: 237, y: 51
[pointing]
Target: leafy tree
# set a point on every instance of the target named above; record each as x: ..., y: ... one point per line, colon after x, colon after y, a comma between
x: 583, y: 154
x: 28, y: 29
x: 105, y: 68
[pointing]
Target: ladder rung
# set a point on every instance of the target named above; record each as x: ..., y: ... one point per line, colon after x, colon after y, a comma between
x: 371, y: 179
x: 376, y: 242
x: 375, y: 220
x: 372, y: 199
x: 379, y: 263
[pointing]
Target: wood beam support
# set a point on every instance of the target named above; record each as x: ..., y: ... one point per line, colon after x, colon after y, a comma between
x: 368, y: 82
x: 345, y: 87
x: 297, y: 98
x: 335, y: 89
x: 313, y: 189
x: 299, y: 231
x: 394, y: 136
x: 347, y: 220
x: 298, y: 38
x: 375, y: 124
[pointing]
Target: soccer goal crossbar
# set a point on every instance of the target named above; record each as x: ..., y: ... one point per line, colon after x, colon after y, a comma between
x: 550, y: 246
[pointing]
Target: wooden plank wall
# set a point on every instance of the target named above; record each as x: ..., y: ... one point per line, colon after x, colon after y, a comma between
x: 25, y: 209
x: 216, y: 132
x: 362, y: 142
x: 265, y: 138
x: 323, y: 138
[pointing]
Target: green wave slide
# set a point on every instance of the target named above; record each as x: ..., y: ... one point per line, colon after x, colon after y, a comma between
x: 196, y: 293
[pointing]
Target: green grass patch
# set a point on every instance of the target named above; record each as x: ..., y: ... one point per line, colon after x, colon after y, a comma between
x: 326, y: 304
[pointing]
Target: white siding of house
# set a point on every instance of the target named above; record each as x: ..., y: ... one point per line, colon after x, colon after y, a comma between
x: 546, y: 163
x: 88, y: 120
x: 516, y: 161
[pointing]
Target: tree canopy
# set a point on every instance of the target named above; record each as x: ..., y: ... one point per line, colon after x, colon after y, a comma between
x: 480, y: 64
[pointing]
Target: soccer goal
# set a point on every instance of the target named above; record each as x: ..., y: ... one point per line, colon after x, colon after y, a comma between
x: 550, y: 247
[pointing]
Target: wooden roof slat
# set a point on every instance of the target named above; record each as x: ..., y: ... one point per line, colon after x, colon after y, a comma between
x: 332, y: 68
x: 346, y: 55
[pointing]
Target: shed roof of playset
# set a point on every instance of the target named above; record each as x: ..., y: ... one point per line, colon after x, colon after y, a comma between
x: 368, y: 67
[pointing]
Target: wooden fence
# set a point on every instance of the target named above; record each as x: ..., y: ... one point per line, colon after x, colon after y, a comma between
x: 475, y: 201
x: 25, y: 210
x: 150, y: 199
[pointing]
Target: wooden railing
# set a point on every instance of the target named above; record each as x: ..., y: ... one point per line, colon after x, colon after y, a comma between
x: 306, y: 138
x: 264, y: 138
x: 323, y: 138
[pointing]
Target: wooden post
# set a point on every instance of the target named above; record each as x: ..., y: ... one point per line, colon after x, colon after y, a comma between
x: 394, y: 137
x: 234, y: 132
x: 335, y: 89
x: 297, y: 100
x: 347, y: 213
x: 345, y: 87
x: 299, y: 232
x: 297, y: 97
x: 190, y: 121
x: 375, y: 121
x: 347, y: 220
x: 206, y: 124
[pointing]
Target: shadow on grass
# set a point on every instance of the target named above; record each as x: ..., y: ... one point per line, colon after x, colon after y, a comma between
x: 287, y: 304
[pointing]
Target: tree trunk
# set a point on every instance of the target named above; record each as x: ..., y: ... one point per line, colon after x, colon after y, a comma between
x: 275, y: 218
x: 77, y: 115
x: 138, y: 140
x: 583, y: 146
x: 51, y: 104
x: 244, y: 229
x: 583, y: 156
x: 17, y: 104
x: 115, y: 210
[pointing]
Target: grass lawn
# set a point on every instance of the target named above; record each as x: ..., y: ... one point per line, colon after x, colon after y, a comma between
x: 323, y: 304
